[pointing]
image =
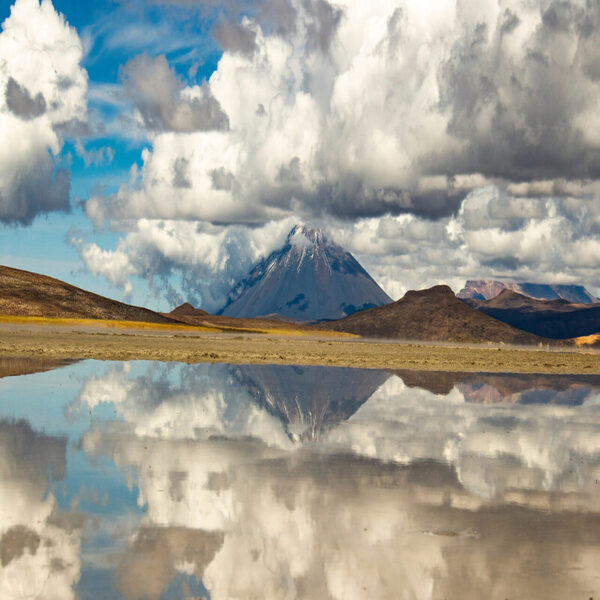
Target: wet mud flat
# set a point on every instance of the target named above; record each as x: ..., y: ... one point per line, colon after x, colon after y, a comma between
x: 67, y: 343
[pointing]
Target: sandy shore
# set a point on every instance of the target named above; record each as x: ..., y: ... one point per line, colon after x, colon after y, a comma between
x: 191, y: 347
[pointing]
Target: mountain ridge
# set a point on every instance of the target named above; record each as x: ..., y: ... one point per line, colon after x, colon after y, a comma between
x: 487, y: 289
x: 556, y: 319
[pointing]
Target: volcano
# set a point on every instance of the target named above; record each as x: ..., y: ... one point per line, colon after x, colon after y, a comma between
x: 310, y: 279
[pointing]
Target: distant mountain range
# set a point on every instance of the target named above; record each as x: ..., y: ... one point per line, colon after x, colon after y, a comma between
x: 486, y: 289
x: 311, y: 278
x: 558, y: 319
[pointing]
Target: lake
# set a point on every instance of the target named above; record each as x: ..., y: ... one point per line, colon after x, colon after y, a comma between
x: 169, y: 481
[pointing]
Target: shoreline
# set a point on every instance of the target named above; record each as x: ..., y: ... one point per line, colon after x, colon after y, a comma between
x: 89, y: 342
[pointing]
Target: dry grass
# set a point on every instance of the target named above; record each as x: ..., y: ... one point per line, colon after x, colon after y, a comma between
x: 103, y: 323
x: 587, y: 340
x: 162, y: 327
x: 193, y: 345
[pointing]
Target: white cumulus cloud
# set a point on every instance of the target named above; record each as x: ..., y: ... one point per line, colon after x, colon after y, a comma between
x: 439, y: 141
x: 42, y: 92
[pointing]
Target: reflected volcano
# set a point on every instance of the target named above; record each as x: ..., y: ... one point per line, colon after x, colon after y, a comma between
x: 309, y: 400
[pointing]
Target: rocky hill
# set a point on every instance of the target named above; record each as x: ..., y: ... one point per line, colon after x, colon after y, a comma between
x: 187, y: 310
x: 435, y: 314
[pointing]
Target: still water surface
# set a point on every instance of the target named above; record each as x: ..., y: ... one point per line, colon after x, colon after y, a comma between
x: 150, y: 480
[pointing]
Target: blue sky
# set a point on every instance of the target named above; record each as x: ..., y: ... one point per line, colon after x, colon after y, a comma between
x: 113, y: 32
x: 437, y: 140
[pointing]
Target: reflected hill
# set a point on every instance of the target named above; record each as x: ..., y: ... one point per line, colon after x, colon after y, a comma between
x: 529, y: 389
x: 309, y: 400
x: 11, y: 366
x: 514, y: 388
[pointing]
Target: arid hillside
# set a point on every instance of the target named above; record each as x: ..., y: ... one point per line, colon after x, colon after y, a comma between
x: 189, y: 315
x: 26, y: 294
x: 435, y: 314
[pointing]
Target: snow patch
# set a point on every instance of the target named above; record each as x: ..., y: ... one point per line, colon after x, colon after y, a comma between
x: 299, y: 239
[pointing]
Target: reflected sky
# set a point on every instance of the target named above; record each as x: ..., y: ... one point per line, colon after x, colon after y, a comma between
x: 168, y: 481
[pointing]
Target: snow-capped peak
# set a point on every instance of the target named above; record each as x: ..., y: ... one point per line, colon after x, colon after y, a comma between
x: 310, y: 278
x: 303, y: 236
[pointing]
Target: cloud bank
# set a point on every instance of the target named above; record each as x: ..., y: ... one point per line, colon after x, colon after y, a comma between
x: 357, y: 110
x: 42, y: 92
x: 440, y: 140
x: 184, y: 260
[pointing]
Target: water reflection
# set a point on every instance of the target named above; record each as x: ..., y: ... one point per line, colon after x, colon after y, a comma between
x: 11, y: 366
x: 218, y: 481
x: 39, y: 548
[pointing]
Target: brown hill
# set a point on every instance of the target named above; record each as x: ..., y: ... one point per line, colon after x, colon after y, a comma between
x: 26, y: 294
x: 188, y: 314
x: 557, y: 319
x: 435, y: 314
x: 187, y: 310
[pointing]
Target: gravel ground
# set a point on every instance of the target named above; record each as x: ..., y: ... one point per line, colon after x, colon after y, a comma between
x: 89, y: 343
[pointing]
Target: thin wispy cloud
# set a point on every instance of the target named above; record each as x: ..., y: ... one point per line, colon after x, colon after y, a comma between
x: 125, y: 32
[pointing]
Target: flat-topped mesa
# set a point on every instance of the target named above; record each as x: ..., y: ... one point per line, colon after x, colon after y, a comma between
x: 310, y: 278
x: 510, y: 299
x: 486, y: 289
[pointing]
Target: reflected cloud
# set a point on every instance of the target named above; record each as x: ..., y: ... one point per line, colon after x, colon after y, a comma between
x: 319, y: 526
x: 182, y: 402
x: 39, y: 554
x: 520, y: 425
x: 155, y: 556
x: 536, y: 447
x: 402, y: 494
x: 268, y: 482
